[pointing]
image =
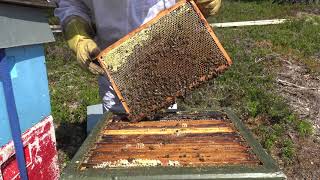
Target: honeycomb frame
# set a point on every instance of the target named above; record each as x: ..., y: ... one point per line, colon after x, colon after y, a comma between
x: 122, y: 59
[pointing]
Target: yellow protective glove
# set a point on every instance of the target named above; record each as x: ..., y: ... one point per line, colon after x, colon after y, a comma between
x: 78, y: 34
x: 208, y: 7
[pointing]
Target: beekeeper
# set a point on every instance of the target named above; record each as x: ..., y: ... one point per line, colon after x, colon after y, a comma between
x: 91, y: 25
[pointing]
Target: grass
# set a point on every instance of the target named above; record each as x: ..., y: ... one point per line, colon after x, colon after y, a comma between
x: 304, y: 128
x: 247, y: 10
x: 299, y: 37
x: 72, y: 88
x: 248, y: 86
x: 288, y: 150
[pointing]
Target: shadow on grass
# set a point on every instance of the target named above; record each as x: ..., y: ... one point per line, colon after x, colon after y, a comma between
x: 70, y: 137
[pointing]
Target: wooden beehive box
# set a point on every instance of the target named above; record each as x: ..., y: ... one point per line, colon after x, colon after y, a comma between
x: 175, y: 146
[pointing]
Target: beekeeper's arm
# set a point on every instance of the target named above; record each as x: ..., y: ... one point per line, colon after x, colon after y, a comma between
x: 75, y: 19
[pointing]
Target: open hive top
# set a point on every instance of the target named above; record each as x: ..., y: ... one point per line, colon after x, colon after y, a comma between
x: 187, y: 140
x: 165, y: 58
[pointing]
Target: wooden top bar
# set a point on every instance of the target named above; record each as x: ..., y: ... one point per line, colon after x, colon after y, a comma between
x: 179, y: 143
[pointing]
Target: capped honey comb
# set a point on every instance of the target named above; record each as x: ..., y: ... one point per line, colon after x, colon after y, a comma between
x: 165, y: 58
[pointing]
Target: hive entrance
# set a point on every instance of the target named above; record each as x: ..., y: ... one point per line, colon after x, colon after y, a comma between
x: 180, y: 141
x: 163, y: 59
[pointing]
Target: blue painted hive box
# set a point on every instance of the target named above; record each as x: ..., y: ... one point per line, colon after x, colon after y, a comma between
x: 25, y: 67
x: 27, y: 138
x: 22, y: 65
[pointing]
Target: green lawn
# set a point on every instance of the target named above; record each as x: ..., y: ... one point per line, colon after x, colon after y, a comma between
x: 72, y: 88
x: 248, y: 10
x: 248, y: 87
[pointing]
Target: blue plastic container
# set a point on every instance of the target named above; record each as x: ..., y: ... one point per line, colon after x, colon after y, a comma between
x: 28, y: 75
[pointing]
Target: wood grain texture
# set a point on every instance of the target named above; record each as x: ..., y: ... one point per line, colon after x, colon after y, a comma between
x: 206, y: 142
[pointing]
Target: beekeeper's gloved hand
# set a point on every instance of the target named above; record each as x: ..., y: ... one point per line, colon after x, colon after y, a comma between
x: 208, y: 7
x: 78, y: 34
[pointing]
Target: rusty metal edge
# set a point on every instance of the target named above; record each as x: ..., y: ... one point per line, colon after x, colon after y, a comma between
x: 269, y: 169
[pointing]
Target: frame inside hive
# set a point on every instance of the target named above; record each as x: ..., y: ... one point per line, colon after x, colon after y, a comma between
x: 186, y: 140
x: 265, y: 169
x: 164, y: 58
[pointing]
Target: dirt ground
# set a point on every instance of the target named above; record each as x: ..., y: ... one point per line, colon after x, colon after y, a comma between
x: 301, y: 89
x: 306, y: 164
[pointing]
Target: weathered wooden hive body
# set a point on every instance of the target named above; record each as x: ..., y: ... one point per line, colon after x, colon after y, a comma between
x: 175, y: 146
x: 186, y: 140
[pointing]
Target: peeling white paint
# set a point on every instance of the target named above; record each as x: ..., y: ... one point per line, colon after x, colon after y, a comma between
x: 8, y: 150
x: 32, y: 142
x: 33, y: 138
x: 54, y: 166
